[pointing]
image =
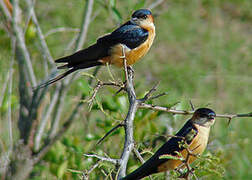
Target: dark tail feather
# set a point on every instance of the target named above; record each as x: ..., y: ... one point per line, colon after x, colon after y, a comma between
x: 80, y: 60
x: 148, y: 168
x: 86, y: 56
x: 87, y: 65
x: 136, y: 175
x: 59, y: 77
x: 63, y: 59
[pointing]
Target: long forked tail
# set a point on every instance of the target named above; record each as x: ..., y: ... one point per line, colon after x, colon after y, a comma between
x: 148, y: 168
x: 82, y: 59
x: 73, y: 69
x: 57, y: 78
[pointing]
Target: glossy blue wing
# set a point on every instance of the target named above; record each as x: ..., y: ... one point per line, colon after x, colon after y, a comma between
x: 130, y: 35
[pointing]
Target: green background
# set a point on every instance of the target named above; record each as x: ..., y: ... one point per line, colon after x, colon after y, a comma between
x: 202, y: 52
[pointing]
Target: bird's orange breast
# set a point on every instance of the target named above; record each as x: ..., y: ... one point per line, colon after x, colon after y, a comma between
x: 197, y: 146
x: 131, y: 55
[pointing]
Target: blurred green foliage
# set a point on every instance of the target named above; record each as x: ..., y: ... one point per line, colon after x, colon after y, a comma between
x: 202, y: 52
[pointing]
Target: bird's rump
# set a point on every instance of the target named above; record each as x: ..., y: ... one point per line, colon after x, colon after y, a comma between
x: 85, y: 57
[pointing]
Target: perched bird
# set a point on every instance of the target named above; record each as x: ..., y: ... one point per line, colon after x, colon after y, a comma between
x: 132, y: 40
x: 195, y: 133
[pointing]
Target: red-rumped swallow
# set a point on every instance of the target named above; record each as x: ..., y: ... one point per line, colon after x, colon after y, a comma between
x: 132, y: 40
x: 195, y: 133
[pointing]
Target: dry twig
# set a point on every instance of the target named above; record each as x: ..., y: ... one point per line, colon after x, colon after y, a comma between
x: 185, y: 112
x: 108, y: 159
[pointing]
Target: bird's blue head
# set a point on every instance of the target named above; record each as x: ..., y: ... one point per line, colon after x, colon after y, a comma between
x: 141, y: 14
x: 143, y: 18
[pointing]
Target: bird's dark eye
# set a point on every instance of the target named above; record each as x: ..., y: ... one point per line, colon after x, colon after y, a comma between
x: 144, y: 16
x: 211, y: 115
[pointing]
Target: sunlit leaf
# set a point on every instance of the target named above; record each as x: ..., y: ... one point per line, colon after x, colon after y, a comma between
x: 62, y: 169
x: 167, y: 156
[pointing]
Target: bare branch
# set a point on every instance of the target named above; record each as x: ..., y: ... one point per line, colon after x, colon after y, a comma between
x: 192, y: 106
x: 166, y: 109
x: 58, y: 109
x: 85, y: 24
x: 45, y: 119
x: 21, y: 45
x: 61, y: 29
x: 157, y: 96
x: 5, y: 10
x: 129, y: 141
x: 85, y: 175
x: 184, y: 112
x: 93, y: 167
x: 98, y: 86
x: 114, y: 161
x: 71, y: 43
x: 52, y: 140
x: 4, y: 86
x: 9, y: 95
x: 45, y: 49
x: 80, y: 41
x: 138, y: 155
x: 148, y: 94
x: 54, y: 137
x: 231, y: 116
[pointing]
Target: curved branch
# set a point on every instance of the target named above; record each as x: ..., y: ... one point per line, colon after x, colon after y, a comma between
x: 185, y: 112
x: 128, y: 124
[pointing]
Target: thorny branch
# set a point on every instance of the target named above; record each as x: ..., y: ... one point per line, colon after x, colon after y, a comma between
x: 36, y: 98
x: 134, y: 104
x: 185, y: 112
x: 85, y: 175
x: 98, y: 86
x: 59, y: 105
x: 128, y: 122
x: 114, y: 161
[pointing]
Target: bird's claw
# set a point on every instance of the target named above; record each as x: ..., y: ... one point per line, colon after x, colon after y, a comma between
x: 129, y: 68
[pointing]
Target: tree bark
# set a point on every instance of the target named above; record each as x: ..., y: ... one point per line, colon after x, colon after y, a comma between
x: 21, y: 163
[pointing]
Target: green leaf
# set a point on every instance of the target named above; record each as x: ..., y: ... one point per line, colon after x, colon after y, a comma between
x: 112, y: 3
x: 167, y: 156
x: 62, y: 169
x: 75, y: 171
x: 122, y: 102
x: 84, y: 86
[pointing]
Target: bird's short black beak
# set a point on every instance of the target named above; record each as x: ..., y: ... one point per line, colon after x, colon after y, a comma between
x: 211, y: 116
